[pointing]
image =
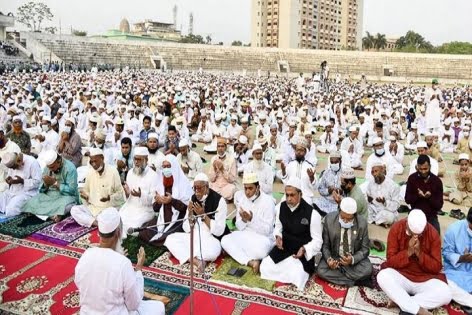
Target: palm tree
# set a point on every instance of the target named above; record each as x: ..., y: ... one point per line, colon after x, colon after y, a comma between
x: 380, y: 41
x: 368, y: 41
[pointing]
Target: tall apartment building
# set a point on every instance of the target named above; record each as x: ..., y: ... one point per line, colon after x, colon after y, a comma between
x: 315, y: 24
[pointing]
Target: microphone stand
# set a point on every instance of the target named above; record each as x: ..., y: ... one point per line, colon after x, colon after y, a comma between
x: 191, y: 219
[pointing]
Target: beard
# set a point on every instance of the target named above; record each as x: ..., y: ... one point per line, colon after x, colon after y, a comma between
x: 152, y: 151
x: 258, y: 164
x: 138, y: 170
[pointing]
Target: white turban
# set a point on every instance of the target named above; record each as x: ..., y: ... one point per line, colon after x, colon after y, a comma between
x: 9, y: 159
x: 49, y: 157
x: 96, y: 151
x: 295, y: 183
x: 201, y: 177
x: 141, y: 151
x: 417, y: 221
x: 348, y: 205
x: 108, y: 220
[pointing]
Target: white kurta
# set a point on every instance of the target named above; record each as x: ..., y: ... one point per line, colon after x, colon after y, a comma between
x: 138, y: 210
x: 205, y: 246
x: 192, y: 161
x: 13, y: 199
x: 433, y: 110
x: 299, y: 170
x: 10, y: 146
x: 290, y: 270
x: 156, y: 159
x: 383, y: 213
x: 253, y: 239
x: 108, y: 284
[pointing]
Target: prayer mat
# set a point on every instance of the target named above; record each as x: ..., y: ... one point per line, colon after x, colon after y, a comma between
x: 176, y: 294
x: 23, y: 225
x: 230, y: 224
x: 249, y: 279
x: 132, y: 245
x: 88, y: 240
x: 278, y: 195
x: 62, y: 233
x: 363, y: 300
x: 5, y: 219
x: 360, y: 180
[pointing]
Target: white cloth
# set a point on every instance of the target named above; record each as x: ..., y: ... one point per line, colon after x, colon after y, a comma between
x: 264, y: 175
x: 290, y: 270
x: 254, y: 239
x: 299, y: 170
x: 181, y: 190
x: 392, y: 166
x: 155, y: 160
x: 138, y: 210
x: 409, y: 295
x: 192, y: 161
x: 51, y: 140
x: 13, y: 199
x: 460, y: 295
x: 12, y: 147
x: 383, y: 213
x: 209, y: 248
x: 108, y: 284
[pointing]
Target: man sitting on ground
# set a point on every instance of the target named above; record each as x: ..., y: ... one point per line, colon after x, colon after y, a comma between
x: 345, y: 247
x: 105, y: 278
x: 255, y: 218
x: 411, y: 277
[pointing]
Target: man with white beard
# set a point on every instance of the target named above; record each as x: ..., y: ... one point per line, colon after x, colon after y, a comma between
x: 255, y: 218
x: 106, y: 280
x: 211, y: 208
x: 261, y: 169
x: 298, y: 239
x: 383, y: 195
x: 140, y: 187
x: 190, y: 161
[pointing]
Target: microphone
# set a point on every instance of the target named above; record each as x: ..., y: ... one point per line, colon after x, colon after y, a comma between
x: 134, y: 230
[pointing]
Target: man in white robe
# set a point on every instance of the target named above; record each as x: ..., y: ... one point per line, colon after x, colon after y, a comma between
x: 381, y: 156
x: 190, y: 161
x: 155, y: 156
x: 262, y: 169
x: 255, y: 216
x: 209, y: 210
x: 383, y: 195
x: 102, y: 190
x: 140, y: 188
x: 300, y: 168
x: 328, y: 140
x: 106, y: 280
x: 24, y: 178
x: 395, y: 148
x: 433, y: 97
x: 6, y: 146
x: 298, y: 234
x: 352, y: 149
x: 49, y: 138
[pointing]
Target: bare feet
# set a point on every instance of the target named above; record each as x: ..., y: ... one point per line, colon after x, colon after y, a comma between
x: 423, y: 311
x: 155, y: 297
x: 391, y: 304
x: 200, y: 264
x: 255, y: 265
x: 57, y: 218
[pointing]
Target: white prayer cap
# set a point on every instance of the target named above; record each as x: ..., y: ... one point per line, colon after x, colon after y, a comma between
x: 348, y: 205
x: 108, y: 220
x: 234, y: 117
x: 392, y: 138
x: 53, y: 121
x: 378, y: 163
x: 348, y: 173
x: 242, y: 139
x: 153, y: 135
x: 119, y: 121
x: 352, y: 128
x: 9, y: 159
x: 256, y: 147
x: 334, y: 154
x: 302, y: 142
x: 94, y: 119
x: 377, y: 140
x: 218, y: 117
x: 95, y: 151
x: 183, y: 143
x: 141, y: 151
x: 100, y: 134
x: 417, y: 221
x: 294, y: 182
x: 49, y: 157
x: 421, y: 144
x: 46, y: 118
x: 463, y: 156
x: 250, y: 178
x: 159, y: 117
x: 244, y: 120
x: 201, y: 177
x: 262, y: 140
x: 61, y: 110
x: 71, y: 120
x: 414, y: 126
x: 17, y: 117
x: 262, y: 116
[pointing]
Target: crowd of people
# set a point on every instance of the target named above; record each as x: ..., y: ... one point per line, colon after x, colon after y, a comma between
x: 120, y: 150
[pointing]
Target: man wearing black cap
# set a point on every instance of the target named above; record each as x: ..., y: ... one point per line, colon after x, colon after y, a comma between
x: 457, y: 255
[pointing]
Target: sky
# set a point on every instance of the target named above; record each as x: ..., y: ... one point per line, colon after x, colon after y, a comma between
x: 438, y: 21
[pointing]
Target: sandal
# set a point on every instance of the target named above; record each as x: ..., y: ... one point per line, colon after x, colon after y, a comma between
x: 457, y: 214
x: 377, y: 245
x: 403, y: 209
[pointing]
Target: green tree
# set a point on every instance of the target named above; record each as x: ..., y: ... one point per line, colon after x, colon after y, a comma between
x: 380, y: 41
x: 237, y: 43
x: 33, y: 14
x: 368, y: 41
x: 50, y: 30
x: 459, y: 48
x: 79, y: 33
x: 208, y: 39
x: 413, y: 42
x: 192, y: 39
